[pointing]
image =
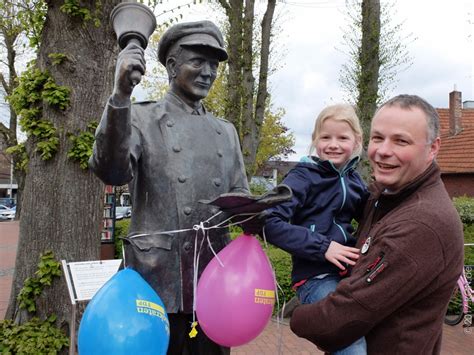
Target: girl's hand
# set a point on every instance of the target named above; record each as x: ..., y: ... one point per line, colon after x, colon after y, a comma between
x: 338, y: 253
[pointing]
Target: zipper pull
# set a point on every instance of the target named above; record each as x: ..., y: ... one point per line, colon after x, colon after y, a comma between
x: 376, y: 272
x: 371, y: 266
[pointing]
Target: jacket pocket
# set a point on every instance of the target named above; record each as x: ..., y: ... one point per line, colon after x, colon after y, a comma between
x: 149, y: 241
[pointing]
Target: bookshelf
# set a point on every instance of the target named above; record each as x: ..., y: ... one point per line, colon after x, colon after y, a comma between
x: 108, y: 221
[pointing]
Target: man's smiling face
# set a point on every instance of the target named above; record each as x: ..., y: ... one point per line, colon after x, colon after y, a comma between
x: 399, y: 149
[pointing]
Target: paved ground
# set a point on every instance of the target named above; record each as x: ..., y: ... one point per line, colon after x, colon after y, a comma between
x: 275, y: 339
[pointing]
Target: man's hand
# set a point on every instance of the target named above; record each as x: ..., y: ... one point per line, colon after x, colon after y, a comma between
x: 338, y: 253
x: 128, y: 71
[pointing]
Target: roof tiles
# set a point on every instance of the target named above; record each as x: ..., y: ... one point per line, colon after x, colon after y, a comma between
x: 456, y: 154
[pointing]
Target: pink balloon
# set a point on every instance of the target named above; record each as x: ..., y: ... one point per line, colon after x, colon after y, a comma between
x: 235, y: 302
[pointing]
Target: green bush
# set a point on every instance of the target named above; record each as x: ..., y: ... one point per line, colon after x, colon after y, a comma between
x: 33, y: 337
x: 469, y: 238
x: 465, y: 207
x: 281, y: 262
x: 121, y: 231
x: 258, y: 189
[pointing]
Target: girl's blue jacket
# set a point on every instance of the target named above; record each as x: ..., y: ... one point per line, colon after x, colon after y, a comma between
x: 325, y: 200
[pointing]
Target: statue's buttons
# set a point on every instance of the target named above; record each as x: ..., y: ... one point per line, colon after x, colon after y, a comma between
x: 170, y: 123
x: 219, y: 153
x: 187, y: 211
x: 187, y: 246
x: 182, y: 178
x: 217, y: 182
x: 218, y: 131
x: 176, y: 148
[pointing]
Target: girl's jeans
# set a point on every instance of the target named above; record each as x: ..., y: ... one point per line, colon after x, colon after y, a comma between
x: 315, y: 290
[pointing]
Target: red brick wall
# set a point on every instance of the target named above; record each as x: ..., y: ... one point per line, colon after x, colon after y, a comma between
x: 4, y: 169
x: 459, y: 184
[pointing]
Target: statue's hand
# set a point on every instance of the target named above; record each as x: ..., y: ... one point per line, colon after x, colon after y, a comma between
x: 128, y: 71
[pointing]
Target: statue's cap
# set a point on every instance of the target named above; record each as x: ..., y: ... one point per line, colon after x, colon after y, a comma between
x: 192, y: 34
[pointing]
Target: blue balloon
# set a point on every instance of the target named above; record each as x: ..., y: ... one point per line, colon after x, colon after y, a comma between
x: 125, y: 316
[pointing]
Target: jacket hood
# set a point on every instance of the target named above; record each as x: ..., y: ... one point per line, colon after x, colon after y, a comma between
x: 315, y: 163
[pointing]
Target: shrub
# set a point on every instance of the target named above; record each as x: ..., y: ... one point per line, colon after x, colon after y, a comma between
x: 121, y: 231
x: 281, y: 262
x: 465, y: 208
x: 258, y: 188
x: 469, y: 238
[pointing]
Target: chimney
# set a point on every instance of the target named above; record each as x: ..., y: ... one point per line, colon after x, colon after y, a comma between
x: 455, y: 112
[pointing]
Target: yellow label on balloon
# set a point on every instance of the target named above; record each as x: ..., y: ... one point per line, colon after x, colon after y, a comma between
x: 152, y: 309
x: 148, y: 304
x: 264, y: 296
x: 264, y: 293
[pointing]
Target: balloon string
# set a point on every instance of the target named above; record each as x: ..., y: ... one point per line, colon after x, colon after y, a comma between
x: 280, y: 313
x: 279, y: 317
x: 199, y: 227
x: 123, y: 256
x: 197, y: 253
x: 222, y: 224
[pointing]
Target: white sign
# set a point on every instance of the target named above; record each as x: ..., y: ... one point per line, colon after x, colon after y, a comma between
x: 89, y: 276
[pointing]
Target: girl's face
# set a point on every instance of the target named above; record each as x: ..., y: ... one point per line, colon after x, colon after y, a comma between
x: 336, y: 142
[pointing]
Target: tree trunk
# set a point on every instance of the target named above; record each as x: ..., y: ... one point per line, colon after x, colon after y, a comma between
x: 248, y: 86
x: 233, y: 108
x: 253, y: 139
x: 245, y: 108
x: 369, y: 63
x: 62, y: 204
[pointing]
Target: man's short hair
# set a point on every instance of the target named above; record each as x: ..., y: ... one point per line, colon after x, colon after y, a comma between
x: 408, y: 101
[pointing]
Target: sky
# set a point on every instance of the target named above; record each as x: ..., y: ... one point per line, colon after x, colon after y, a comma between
x: 309, y: 58
x: 309, y: 46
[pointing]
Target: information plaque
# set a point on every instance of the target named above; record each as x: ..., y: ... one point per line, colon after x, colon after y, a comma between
x: 89, y: 276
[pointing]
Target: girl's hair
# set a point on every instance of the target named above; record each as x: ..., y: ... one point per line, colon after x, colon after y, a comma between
x: 342, y: 113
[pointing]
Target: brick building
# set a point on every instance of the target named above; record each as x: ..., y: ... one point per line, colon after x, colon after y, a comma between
x: 7, y: 186
x: 456, y: 156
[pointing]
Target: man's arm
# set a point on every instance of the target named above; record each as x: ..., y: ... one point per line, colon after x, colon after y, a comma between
x: 117, y: 144
x: 412, y: 258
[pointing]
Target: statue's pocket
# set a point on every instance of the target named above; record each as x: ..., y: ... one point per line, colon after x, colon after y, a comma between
x: 145, y: 241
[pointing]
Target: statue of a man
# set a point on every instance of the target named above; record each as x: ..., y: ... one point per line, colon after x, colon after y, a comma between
x: 172, y: 153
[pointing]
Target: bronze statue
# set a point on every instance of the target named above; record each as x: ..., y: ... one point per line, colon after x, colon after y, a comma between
x: 172, y: 153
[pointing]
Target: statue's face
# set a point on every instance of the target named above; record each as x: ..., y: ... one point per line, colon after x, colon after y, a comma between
x: 195, y: 72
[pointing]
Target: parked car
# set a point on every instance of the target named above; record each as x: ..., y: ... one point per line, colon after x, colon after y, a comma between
x: 123, y: 212
x: 7, y: 213
x: 7, y: 202
x: 3, y: 208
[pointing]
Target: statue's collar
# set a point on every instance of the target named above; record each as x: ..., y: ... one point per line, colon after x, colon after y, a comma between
x: 177, y: 101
